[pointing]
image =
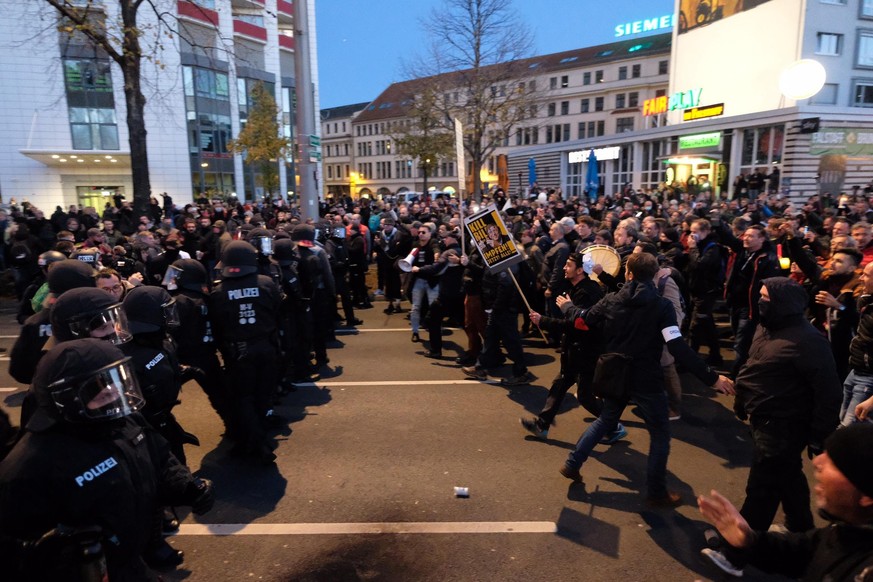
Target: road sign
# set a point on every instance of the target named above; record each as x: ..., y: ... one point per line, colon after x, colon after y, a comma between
x: 314, y: 141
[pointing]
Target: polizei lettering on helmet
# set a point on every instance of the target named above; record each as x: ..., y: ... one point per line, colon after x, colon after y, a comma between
x: 96, y: 471
x: 154, y: 361
x: 235, y: 294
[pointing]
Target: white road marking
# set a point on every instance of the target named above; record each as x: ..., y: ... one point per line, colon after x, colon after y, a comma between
x: 285, y: 529
x: 8, y: 337
x: 397, y: 383
x: 9, y: 389
x: 386, y: 329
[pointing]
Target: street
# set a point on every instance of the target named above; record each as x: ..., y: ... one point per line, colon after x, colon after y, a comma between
x: 363, y: 488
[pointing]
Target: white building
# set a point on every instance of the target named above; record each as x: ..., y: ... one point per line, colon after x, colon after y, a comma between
x: 63, y: 137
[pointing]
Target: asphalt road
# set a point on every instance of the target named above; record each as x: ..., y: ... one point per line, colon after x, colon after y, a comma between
x: 363, y: 485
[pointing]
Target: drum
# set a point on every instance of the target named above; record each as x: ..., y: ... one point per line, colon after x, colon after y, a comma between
x: 603, y: 255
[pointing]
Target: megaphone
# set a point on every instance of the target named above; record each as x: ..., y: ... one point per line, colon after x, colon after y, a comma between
x: 405, y: 265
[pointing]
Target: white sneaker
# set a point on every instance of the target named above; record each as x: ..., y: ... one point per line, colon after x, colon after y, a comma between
x: 722, y: 562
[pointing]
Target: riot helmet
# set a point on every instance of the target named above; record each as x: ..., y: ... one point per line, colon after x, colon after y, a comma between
x: 186, y: 274
x: 283, y: 252
x: 238, y: 259
x: 87, y: 256
x: 89, y: 312
x: 50, y: 257
x: 69, y: 274
x: 86, y: 381
x: 149, y: 309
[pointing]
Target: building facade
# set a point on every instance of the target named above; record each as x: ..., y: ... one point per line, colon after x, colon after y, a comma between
x: 64, y: 137
x: 578, y: 95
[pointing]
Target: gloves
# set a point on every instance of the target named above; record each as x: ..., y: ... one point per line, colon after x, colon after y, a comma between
x: 193, y: 373
x: 200, y: 495
x: 814, y: 449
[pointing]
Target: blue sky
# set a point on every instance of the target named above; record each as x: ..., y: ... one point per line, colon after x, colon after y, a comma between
x: 361, y: 43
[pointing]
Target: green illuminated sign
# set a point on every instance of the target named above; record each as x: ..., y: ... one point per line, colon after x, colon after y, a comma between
x: 700, y: 140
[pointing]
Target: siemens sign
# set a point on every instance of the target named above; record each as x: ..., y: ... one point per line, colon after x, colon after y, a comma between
x: 657, y: 24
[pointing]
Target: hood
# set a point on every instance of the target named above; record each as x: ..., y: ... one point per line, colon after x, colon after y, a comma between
x: 788, y: 300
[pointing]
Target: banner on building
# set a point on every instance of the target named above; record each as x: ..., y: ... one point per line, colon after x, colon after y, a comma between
x: 846, y: 141
x: 489, y: 234
x: 696, y: 13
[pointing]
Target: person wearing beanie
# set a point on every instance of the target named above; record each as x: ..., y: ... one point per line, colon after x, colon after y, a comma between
x: 842, y: 550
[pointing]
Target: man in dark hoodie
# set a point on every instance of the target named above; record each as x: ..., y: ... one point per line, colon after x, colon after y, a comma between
x: 790, y: 392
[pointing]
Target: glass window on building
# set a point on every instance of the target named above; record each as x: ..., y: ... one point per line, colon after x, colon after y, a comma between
x: 663, y: 67
x: 633, y: 99
x: 601, y: 128
x: 565, y: 81
x: 565, y: 107
x: 636, y: 71
x: 829, y: 44
x: 553, y: 83
x: 624, y: 124
x: 619, y: 100
x: 762, y: 147
x: 580, y: 133
x: 623, y: 167
x: 652, y: 173
x: 622, y: 73
x: 93, y: 128
x: 827, y: 95
x: 866, y: 9
x: 584, y: 106
x: 586, y: 78
x: 865, y: 49
x: 598, y: 76
x: 551, y: 110
x: 598, y: 104
x: 549, y: 134
x: 565, y: 130
x: 91, y: 104
x: 863, y: 96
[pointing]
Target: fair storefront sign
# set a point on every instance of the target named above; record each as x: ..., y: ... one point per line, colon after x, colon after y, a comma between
x: 657, y: 24
x: 581, y: 156
x: 851, y: 141
x: 700, y: 140
x: 678, y: 100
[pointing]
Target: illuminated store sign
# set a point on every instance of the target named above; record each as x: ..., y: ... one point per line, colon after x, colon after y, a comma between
x: 649, y: 25
x: 700, y: 140
x: 601, y: 154
x: 703, y: 112
x: 678, y: 100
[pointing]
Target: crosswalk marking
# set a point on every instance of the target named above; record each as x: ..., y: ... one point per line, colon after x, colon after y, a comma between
x: 396, y: 383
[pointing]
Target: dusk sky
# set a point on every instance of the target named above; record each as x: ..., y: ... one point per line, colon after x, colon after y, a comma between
x: 361, y: 43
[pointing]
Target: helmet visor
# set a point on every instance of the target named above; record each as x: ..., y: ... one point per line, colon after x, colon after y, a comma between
x: 263, y: 244
x: 171, y: 313
x: 105, y: 394
x: 170, y: 278
x: 109, y: 324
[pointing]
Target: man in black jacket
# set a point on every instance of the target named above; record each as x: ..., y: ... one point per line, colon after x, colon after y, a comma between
x: 637, y: 322
x: 790, y: 392
x: 706, y: 274
x: 579, y: 349
x: 844, y: 490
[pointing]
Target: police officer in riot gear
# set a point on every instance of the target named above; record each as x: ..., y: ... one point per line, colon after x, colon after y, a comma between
x: 262, y: 240
x: 338, y: 253
x: 36, y: 292
x: 188, y: 284
x: 316, y: 282
x: 28, y: 349
x: 245, y: 310
x: 296, y: 321
x: 87, y: 468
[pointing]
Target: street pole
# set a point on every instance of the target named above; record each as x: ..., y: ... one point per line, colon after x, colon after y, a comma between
x: 426, y: 164
x: 308, y: 194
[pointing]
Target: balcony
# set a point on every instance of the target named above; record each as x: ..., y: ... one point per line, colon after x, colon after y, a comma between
x: 286, y: 42
x: 286, y: 11
x: 196, y: 12
x: 247, y: 3
x: 249, y: 30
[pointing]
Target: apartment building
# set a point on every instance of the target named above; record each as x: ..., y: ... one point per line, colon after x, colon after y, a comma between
x: 62, y: 109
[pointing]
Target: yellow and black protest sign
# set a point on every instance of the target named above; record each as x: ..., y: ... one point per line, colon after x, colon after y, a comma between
x: 489, y: 234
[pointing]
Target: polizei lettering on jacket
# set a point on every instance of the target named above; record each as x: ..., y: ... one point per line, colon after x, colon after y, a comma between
x: 96, y: 471
x: 235, y: 294
x: 154, y: 361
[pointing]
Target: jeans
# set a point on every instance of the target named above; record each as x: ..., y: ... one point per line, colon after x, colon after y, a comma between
x: 419, y: 289
x: 857, y: 388
x: 653, y: 406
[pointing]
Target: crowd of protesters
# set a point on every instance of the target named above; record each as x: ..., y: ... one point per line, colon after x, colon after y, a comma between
x: 296, y: 281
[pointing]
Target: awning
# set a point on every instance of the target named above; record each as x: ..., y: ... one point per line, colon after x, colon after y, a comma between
x: 78, y: 159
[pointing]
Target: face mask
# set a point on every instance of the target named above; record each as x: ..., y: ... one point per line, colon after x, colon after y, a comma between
x: 765, y: 311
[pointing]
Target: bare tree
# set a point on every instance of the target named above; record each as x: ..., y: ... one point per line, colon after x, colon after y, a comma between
x: 477, y: 59
x: 425, y: 137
